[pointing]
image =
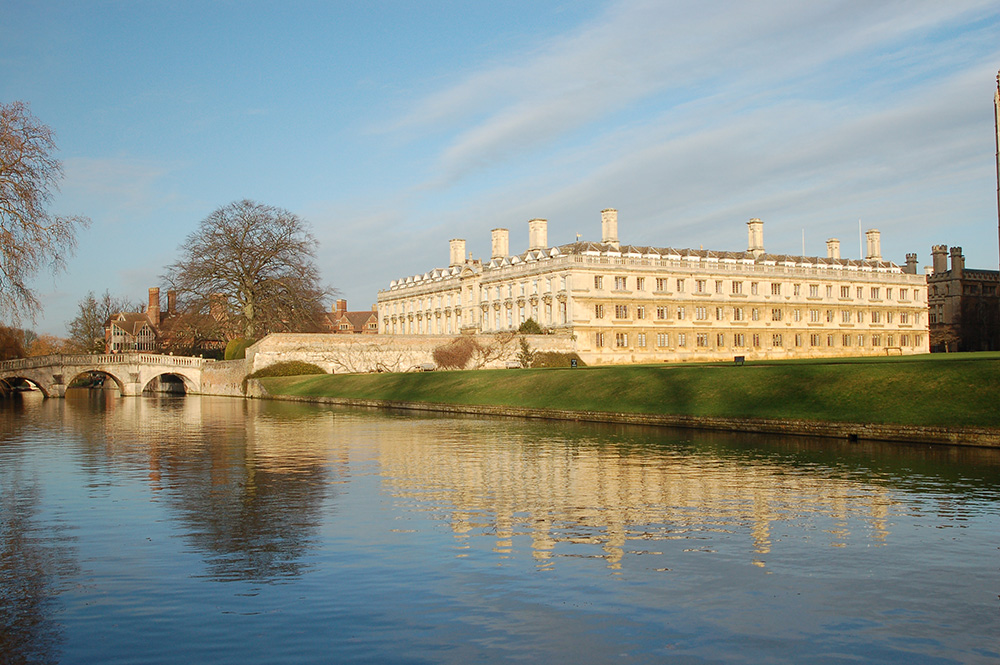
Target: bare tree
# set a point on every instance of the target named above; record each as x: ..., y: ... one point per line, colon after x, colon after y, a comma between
x: 260, y: 261
x: 86, y: 331
x: 30, y: 237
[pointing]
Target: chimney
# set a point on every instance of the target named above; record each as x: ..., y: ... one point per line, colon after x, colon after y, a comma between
x: 873, y: 240
x: 538, y: 234
x: 217, y: 306
x: 340, y: 307
x: 911, y: 264
x: 457, y: 252
x: 957, y: 262
x: 171, y: 301
x: 153, y: 311
x: 833, y: 248
x: 755, y: 237
x: 609, y: 227
x: 939, y: 256
x: 501, y: 243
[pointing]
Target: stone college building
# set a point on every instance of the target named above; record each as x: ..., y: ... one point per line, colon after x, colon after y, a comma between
x: 632, y: 304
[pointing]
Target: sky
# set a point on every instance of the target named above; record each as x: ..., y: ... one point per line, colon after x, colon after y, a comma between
x: 393, y: 127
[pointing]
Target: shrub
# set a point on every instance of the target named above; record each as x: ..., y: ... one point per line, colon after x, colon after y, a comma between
x: 290, y: 368
x: 456, y: 354
x: 530, y: 327
x: 555, y: 359
x: 237, y: 348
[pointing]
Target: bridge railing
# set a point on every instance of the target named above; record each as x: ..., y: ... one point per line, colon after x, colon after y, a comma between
x: 101, y: 359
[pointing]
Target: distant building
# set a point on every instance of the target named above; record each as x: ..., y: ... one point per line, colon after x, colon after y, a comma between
x: 629, y: 303
x: 156, y: 331
x: 963, y: 303
x: 338, y: 320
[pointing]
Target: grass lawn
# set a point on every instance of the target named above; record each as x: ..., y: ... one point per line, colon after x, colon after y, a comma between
x: 959, y: 389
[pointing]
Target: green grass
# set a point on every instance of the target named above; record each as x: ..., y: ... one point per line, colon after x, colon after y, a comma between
x: 941, y: 389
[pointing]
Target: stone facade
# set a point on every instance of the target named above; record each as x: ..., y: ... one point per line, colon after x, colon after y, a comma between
x: 964, y: 304
x: 630, y: 304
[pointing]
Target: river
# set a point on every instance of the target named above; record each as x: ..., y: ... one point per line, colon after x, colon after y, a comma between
x: 169, y: 529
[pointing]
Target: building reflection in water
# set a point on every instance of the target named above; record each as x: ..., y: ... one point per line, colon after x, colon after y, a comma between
x: 494, y: 481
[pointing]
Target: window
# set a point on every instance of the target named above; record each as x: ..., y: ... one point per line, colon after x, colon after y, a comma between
x: 599, y: 339
x: 797, y: 315
x: 661, y: 312
x: 641, y: 339
x: 720, y: 339
x: 775, y: 314
x: 904, y: 340
x: 814, y: 316
x: 755, y: 314
x: 889, y: 340
x: 798, y: 340
x: 860, y: 292
x: 861, y: 318
x: 904, y: 317
x: 640, y: 284
x: 876, y: 340
x: 829, y: 316
x: 662, y: 339
x: 701, y: 339
x: 775, y: 289
x: 640, y: 313
x: 797, y: 289
x: 776, y: 340
x: 680, y: 313
x: 718, y: 286
x: 829, y: 340
x: 814, y: 290
x: 621, y: 340
x: 718, y: 313
x: 753, y: 288
x: 681, y: 339
x: 903, y: 294
x: 661, y: 284
x: 598, y: 282
x: 888, y: 295
x: 846, y: 340
x: 621, y: 283
x: 680, y: 286
x: 700, y: 313
x: 845, y: 292
x: 876, y: 317
x: 861, y: 340
x: 739, y: 340
x: 598, y: 311
x: 621, y: 311
x: 814, y: 339
x: 737, y: 287
x: 699, y: 286
x: 755, y: 339
x: 845, y: 316
x: 875, y: 291
x: 737, y: 314
x: 829, y: 291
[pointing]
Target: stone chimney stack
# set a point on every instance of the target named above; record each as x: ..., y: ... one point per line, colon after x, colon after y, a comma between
x: 457, y: 247
x: 153, y: 310
x: 911, y: 264
x: 755, y: 237
x: 609, y: 227
x: 538, y: 234
x: 171, y: 301
x: 873, y: 240
x: 501, y: 243
x: 939, y: 258
x: 833, y: 248
x: 957, y: 262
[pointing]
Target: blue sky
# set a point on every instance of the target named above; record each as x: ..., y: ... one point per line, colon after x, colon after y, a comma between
x: 392, y: 127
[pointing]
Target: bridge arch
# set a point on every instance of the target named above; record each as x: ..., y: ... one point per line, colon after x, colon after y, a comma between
x: 165, y: 382
x: 104, y: 372
x: 12, y: 379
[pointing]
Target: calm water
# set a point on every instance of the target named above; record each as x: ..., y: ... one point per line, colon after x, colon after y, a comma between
x: 173, y: 529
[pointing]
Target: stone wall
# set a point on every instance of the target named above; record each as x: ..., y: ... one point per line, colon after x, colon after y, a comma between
x: 224, y: 377
x: 339, y: 354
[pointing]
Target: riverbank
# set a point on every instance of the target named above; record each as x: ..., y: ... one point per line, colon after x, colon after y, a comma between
x: 950, y: 399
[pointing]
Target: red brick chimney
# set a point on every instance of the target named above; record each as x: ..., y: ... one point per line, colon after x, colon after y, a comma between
x: 171, y: 301
x: 340, y: 307
x: 153, y: 310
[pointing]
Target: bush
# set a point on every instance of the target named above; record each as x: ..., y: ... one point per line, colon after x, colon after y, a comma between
x: 555, y: 359
x: 237, y: 348
x: 290, y: 368
x: 456, y: 354
x: 530, y: 327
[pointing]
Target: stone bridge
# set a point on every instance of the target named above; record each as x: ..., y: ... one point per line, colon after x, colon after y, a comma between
x: 133, y: 373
